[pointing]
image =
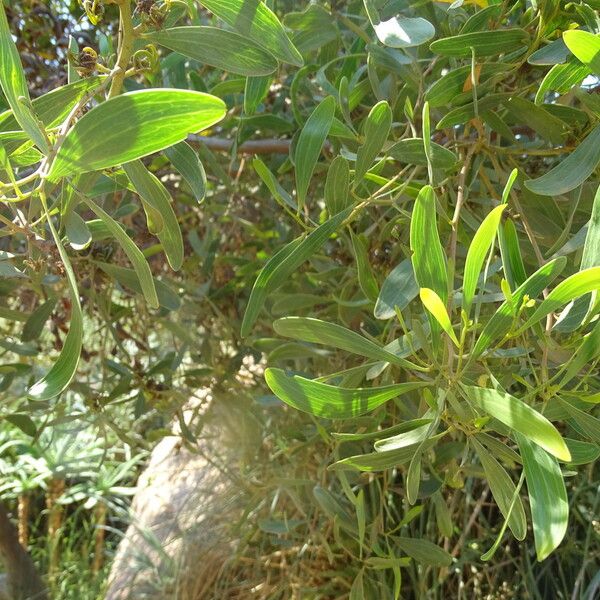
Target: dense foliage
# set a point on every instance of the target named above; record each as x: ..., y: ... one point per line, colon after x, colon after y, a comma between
x: 390, y: 206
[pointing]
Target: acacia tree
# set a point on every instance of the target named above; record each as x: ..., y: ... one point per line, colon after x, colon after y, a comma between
x: 438, y: 184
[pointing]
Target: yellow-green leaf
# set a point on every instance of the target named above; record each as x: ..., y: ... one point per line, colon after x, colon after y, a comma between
x: 433, y: 303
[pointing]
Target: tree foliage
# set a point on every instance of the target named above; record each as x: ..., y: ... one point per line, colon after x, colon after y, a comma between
x: 392, y: 205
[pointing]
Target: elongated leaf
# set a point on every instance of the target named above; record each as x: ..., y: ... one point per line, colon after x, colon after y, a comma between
x: 152, y: 191
x: 366, y: 278
x: 63, y: 370
x: 310, y: 142
x: 488, y: 43
x: 402, y: 32
x: 330, y: 401
x: 381, y: 461
x: 35, y: 323
x: 316, y: 331
x: 433, y: 303
x: 512, y: 261
x: 577, y: 311
x: 412, y: 152
x: 333, y: 509
x: 590, y: 256
x: 255, y: 90
x: 376, y: 129
x: 53, y: 107
x: 561, y: 78
x: 397, y: 291
x: 77, y: 231
x: 133, y: 125
x: 273, y: 185
x: 14, y: 85
x: 554, y: 53
x: 167, y: 298
x: 424, y: 551
x: 284, y: 263
x: 375, y: 435
x: 547, y: 497
x: 186, y: 161
x: 502, y: 319
x: 218, y: 48
x: 503, y: 490
x: 588, y: 351
x: 253, y: 19
x: 572, y: 287
x: 585, y: 46
x: 582, y: 453
x: 429, y: 261
x: 400, y: 440
x: 519, y: 416
x: 134, y: 254
x: 586, y: 422
x: 572, y: 171
x: 480, y: 246
x: 537, y: 118
x: 337, y: 186
x: 23, y: 422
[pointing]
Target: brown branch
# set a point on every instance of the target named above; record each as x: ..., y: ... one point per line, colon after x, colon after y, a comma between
x: 268, y: 146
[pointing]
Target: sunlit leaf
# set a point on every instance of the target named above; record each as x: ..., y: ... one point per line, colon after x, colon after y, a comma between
x: 585, y: 46
x: 500, y: 322
x: 433, y: 303
x: 572, y: 287
x: 519, y: 416
x: 316, y: 331
x: 133, y: 125
x: 478, y: 249
x: 14, y: 85
x: 330, y: 401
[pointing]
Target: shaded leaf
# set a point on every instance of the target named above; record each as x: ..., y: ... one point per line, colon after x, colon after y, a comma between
x: 218, y: 48
x: 283, y: 264
x: 376, y: 129
x: 547, y: 497
x: 255, y: 20
x: 397, y: 291
x: 310, y: 141
x: 186, y: 161
x: 572, y: 171
x: 154, y: 193
x: 486, y: 43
